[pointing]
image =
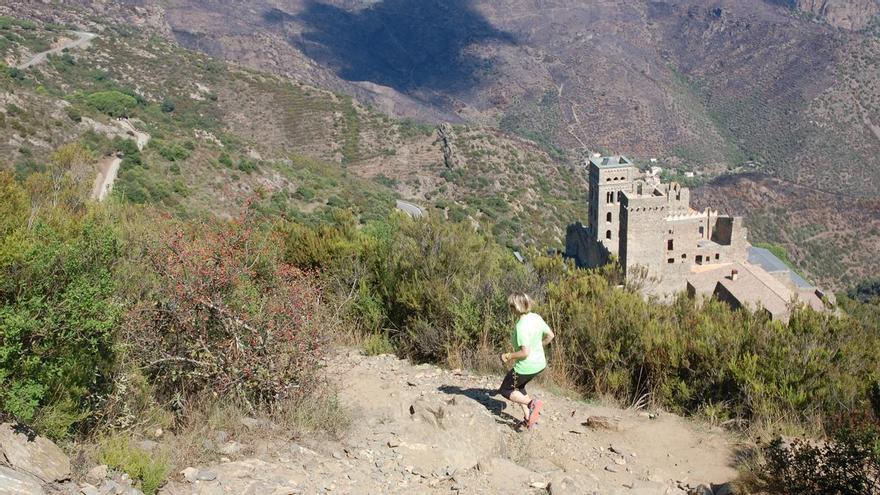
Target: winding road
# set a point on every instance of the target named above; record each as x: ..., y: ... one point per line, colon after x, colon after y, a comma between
x: 82, y: 38
x: 413, y: 210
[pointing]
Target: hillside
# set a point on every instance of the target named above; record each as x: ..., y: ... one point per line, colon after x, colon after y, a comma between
x: 219, y: 133
x: 784, y: 89
x: 832, y: 237
x: 709, y: 86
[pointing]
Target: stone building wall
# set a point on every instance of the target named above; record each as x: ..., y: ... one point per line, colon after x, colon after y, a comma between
x: 650, y: 228
x: 608, y: 181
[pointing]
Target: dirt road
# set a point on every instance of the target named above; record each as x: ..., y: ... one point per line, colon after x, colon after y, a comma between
x: 81, y: 39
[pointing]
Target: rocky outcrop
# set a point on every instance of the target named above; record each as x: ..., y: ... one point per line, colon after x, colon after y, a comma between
x: 451, y: 156
x: 15, y: 483
x: 33, y: 465
x: 845, y: 14
x: 33, y: 455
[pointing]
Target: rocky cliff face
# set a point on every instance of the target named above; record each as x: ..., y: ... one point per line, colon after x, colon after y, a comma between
x: 845, y: 14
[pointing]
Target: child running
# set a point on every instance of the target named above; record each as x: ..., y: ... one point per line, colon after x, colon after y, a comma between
x: 529, y: 338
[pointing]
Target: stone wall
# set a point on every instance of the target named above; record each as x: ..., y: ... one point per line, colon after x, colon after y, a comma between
x: 581, y: 246
x: 642, y: 232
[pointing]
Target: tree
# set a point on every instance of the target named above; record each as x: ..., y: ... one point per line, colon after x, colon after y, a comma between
x: 113, y: 103
x: 63, y: 162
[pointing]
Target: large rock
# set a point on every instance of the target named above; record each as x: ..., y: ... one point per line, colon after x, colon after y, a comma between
x: 15, y: 483
x: 33, y: 454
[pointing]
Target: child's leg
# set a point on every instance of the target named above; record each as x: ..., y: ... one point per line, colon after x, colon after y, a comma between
x: 523, y: 400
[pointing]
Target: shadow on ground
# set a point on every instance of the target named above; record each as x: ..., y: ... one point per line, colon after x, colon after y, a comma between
x: 485, y: 397
x: 410, y: 45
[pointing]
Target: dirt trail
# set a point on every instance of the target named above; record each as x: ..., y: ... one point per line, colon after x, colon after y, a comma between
x: 108, y: 168
x: 82, y: 38
x: 421, y: 429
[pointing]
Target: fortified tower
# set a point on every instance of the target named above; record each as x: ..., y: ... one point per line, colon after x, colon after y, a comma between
x: 610, y: 178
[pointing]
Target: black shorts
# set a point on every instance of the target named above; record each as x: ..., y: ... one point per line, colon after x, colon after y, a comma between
x: 514, y: 381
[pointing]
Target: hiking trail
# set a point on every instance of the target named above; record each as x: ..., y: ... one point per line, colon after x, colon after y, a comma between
x: 423, y: 429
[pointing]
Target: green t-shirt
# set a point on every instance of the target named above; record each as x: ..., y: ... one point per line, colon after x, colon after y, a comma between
x: 530, y: 330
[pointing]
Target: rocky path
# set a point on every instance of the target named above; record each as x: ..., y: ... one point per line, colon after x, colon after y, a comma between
x: 421, y: 429
x: 81, y: 39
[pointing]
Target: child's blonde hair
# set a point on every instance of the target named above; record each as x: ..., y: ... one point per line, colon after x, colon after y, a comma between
x: 520, y: 302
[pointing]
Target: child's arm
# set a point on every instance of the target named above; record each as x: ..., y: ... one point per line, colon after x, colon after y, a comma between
x: 548, y: 337
x: 519, y: 355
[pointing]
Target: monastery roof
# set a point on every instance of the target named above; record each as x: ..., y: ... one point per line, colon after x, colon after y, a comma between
x: 610, y: 161
x: 753, y: 287
x: 772, y: 264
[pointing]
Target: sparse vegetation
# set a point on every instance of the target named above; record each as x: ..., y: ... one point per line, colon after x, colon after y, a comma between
x: 149, y: 468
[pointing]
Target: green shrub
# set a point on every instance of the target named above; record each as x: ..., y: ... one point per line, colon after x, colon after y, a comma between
x: 386, y: 181
x: 304, y: 193
x: 150, y: 468
x: 73, y: 114
x: 113, y: 103
x: 225, y: 160
x: 378, y: 343
x: 168, y: 106
x: 847, y: 464
x: 173, y: 152
x: 58, y: 313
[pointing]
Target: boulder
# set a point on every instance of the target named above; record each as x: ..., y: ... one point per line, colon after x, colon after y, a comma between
x: 15, y: 483
x: 700, y: 490
x: 98, y: 473
x: 571, y: 484
x: 33, y: 454
x: 612, y: 423
x: 563, y: 485
x: 88, y: 489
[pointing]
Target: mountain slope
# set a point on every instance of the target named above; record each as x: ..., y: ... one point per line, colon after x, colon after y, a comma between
x: 733, y: 87
x: 221, y: 133
x: 714, y: 86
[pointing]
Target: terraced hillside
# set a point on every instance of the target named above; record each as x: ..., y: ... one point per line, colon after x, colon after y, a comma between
x: 220, y: 133
x: 833, y: 238
x: 737, y: 87
x: 714, y: 86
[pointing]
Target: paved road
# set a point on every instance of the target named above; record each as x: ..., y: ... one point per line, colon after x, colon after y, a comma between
x: 415, y: 211
x: 81, y: 39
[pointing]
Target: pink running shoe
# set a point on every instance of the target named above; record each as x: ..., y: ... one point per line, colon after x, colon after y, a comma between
x: 535, y: 411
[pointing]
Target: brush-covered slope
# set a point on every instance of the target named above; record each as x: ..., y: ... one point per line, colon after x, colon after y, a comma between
x: 220, y: 133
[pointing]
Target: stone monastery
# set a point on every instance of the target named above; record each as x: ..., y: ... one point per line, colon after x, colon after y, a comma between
x: 656, y: 236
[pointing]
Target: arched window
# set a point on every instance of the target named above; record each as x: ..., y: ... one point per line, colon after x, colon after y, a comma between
x: 608, y: 234
x: 608, y: 217
x: 610, y: 197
